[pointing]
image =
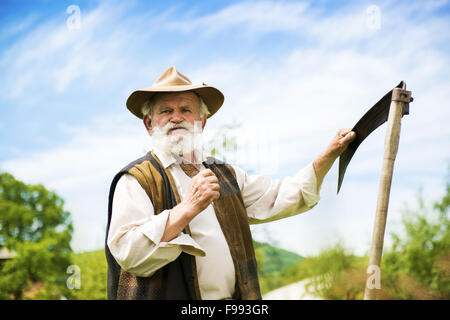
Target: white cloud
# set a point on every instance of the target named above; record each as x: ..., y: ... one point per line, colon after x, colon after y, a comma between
x: 261, y: 16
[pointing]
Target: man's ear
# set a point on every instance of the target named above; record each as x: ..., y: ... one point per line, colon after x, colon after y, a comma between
x: 148, y: 124
x: 203, y: 122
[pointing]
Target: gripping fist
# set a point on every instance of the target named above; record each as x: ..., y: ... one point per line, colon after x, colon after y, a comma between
x: 203, y: 190
x: 340, y: 142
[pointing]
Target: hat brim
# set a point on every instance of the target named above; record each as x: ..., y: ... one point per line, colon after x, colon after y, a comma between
x: 212, y: 97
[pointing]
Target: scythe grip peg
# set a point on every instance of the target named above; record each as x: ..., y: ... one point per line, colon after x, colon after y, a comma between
x: 402, y: 95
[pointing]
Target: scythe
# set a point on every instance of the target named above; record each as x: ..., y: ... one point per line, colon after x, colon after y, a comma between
x: 390, y: 108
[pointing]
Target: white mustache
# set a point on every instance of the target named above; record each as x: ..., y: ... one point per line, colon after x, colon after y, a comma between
x: 171, y: 125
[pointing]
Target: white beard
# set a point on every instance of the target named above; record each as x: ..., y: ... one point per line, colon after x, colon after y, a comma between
x: 181, y: 143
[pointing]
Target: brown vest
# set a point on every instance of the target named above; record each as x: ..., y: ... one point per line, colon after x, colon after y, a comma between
x: 178, y: 279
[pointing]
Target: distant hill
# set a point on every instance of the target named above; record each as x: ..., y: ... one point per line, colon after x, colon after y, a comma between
x: 273, y: 265
x: 275, y: 259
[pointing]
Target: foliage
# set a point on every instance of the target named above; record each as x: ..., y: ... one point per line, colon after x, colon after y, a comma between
x: 34, y: 225
x: 334, y: 274
x: 93, y: 273
x: 418, y: 265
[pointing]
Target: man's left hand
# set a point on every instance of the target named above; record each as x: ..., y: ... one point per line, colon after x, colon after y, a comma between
x: 336, y: 147
x: 339, y: 143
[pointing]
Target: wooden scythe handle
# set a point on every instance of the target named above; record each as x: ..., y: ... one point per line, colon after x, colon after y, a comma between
x: 391, y: 141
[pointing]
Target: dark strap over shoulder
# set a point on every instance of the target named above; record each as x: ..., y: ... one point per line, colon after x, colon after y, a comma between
x: 171, y: 201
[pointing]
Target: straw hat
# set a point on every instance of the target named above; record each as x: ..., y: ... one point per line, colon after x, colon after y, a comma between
x: 173, y: 81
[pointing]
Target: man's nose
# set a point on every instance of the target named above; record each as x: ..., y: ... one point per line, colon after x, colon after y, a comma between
x: 176, y: 117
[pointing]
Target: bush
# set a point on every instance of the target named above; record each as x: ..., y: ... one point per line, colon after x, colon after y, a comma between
x: 418, y: 265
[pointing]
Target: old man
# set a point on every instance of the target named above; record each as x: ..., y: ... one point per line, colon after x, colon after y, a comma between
x: 178, y: 222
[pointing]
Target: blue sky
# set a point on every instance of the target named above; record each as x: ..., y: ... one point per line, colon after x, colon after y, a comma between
x: 293, y: 73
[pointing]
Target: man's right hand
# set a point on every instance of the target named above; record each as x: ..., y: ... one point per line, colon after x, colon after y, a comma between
x: 203, y: 190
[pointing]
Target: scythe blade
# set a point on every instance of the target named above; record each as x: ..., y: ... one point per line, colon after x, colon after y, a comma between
x: 372, y: 119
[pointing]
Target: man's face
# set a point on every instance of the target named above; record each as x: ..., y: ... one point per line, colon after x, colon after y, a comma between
x: 174, y: 107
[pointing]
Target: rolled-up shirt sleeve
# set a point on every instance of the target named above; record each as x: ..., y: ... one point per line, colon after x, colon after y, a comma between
x: 135, y: 232
x: 268, y: 199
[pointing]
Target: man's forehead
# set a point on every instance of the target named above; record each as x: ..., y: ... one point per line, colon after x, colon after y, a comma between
x: 175, y: 97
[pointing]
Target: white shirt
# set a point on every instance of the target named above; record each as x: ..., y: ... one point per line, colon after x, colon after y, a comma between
x: 135, y: 232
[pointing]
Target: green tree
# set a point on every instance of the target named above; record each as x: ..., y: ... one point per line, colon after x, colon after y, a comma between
x: 418, y: 265
x: 93, y: 274
x: 34, y: 225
